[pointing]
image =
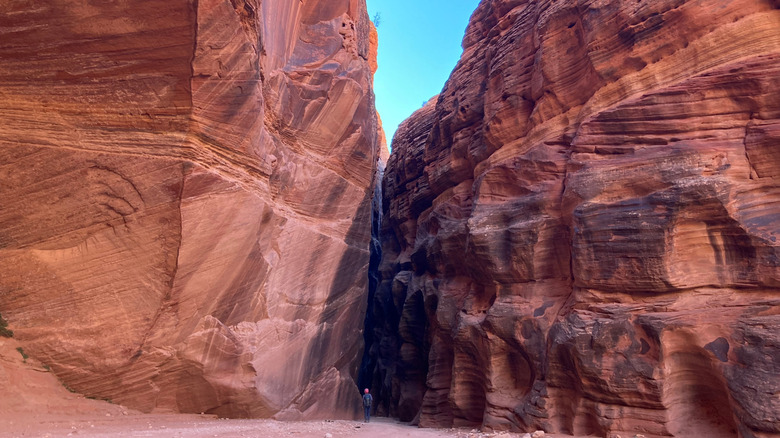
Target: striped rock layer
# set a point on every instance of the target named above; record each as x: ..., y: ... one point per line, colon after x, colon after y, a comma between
x: 581, y: 233
x: 186, y: 190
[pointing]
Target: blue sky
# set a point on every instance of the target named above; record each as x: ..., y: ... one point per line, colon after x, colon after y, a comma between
x: 419, y: 45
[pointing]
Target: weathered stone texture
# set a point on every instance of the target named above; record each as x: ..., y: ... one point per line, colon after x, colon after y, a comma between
x: 186, y: 191
x: 580, y: 234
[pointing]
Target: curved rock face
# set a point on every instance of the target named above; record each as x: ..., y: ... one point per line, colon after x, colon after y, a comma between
x: 581, y: 233
x: 186, y: 193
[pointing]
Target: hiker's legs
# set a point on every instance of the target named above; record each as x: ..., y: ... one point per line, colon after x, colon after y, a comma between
x: 367, y: 412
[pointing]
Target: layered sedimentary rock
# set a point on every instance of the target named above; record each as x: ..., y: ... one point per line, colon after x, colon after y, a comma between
x: 30, y: 387
x: 186, y: 191
x: 580, y: 233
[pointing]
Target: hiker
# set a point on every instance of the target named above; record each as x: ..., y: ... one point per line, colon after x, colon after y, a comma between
x: 367, y: 399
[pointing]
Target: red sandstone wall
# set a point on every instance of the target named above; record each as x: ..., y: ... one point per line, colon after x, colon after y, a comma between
x: 581, y: 233
x: 185, y: 195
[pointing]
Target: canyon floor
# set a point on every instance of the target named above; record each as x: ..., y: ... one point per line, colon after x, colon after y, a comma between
x: 174, y: 426
x: 34, y: 403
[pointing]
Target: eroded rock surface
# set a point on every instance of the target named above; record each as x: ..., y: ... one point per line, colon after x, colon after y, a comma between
x: 580, y: 234
x: 186, y: 193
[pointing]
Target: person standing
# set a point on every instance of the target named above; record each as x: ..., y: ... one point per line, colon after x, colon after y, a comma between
x: 367, y: 399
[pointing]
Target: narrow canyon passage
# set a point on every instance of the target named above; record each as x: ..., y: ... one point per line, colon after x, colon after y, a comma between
x: 577, y: 235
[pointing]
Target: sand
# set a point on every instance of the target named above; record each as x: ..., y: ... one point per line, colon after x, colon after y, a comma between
x: 174, y: 426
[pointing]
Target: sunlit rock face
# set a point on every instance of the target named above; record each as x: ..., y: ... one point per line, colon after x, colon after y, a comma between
x: 186, y: 191
x: 581, y: 232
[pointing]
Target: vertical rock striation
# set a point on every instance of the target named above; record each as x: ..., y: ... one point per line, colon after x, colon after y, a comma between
x: 186, y: 197
x: 580, y: 233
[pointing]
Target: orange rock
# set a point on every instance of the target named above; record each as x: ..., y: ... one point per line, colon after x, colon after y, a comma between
x: 580, y: 234
x: 373, y: 40
x: 186, y: 199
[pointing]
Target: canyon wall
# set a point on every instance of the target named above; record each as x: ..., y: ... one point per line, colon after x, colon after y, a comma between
x: 186, y: 197
x: 580, y: 232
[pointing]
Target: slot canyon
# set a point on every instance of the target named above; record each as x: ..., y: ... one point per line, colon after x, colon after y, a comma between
x: 198, y: 214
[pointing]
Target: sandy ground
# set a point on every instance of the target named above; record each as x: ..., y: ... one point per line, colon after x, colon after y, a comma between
x: 34, y: 403
x: 175, y: 426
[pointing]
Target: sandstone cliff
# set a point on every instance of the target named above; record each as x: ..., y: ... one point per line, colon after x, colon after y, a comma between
x: 186, y: 191
x: 580, y: 233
